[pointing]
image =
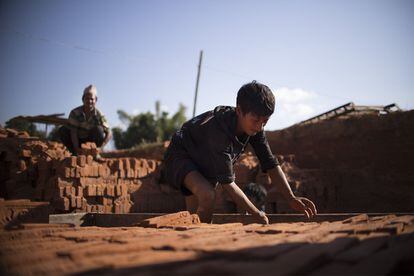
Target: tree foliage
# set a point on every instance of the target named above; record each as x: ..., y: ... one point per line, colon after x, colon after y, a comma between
x: 147, y: 127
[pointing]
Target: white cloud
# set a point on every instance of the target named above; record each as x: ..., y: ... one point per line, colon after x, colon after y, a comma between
x: 293, y: 105
x: 288, y: 95
x: 165, y: 108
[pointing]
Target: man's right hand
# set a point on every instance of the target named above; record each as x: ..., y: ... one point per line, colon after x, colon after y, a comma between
x: 261, y: 218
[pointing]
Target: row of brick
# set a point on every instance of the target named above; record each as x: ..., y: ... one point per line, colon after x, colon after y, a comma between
x: 94, y: 190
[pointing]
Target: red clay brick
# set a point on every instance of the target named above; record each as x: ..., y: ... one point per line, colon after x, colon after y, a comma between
x: 79, y: 191
x: 81, y: 160
x: 110, y: 190
x: 68, y: 190
x: 66, y: 203
x: 91, y: 190
x: 100, y: 190
x: 118, y: 189
x: 25, y: 153
x: 89, y: 160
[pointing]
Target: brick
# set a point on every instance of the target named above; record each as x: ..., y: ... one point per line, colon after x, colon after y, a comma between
x: 84, y: 204
x: 104, y: 171
x: 356, y: 219
x: 95, y: 171
x: 124, y: 190
x: 79, y: 191
x: 91, y: 190
x: 89, y: 160
x: 118, y: 190
x: 143, y: 170
x: 81, y: 160
x: 77, y: 172
x: 100, y: 190
x: 108, y: 209
x: 171, y: 219
x: 79, y: 202
x: 73, y: 201
x: 67, y: 173
x: 152, y: 165
x: 121, y: 174
x: 119, y: 164
x: 127, y: 164
x: 130, y: 173
x: 71, y: 161
x: 135, y: 164
x: 68, y: 190
x: 83, y: 172
x: 117, y: 208
x: 66, y: 203
x: 83, y: 181
x: 110, y: 190
x: 25, y: 153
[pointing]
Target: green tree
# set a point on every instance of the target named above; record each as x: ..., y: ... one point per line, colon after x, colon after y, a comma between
x: 147, y: 127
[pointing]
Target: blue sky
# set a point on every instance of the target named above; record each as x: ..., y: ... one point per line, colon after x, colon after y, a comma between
x: 315, y: 55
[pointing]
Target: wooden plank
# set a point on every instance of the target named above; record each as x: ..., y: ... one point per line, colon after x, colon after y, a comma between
x: 76, y: 219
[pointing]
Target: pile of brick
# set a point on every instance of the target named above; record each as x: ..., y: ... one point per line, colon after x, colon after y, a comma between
x: 22, y: 162
x: 104, y: 185
x: 46, y: 171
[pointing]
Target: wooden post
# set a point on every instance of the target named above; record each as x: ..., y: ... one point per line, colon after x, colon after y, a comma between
x: 198, y: 80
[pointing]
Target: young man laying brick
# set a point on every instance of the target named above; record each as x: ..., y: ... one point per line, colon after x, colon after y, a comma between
x: 202, y: 153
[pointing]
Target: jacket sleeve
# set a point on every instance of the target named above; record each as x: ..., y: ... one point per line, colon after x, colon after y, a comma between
x: 262, y: 149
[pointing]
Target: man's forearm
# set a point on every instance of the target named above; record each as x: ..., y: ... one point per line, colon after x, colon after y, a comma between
x: 240, y: 198
x: 279, y: 179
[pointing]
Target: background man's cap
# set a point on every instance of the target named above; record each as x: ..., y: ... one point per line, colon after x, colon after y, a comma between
x: 90, y: 89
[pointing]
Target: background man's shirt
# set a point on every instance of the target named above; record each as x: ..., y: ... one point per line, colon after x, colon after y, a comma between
x: 97, y: 118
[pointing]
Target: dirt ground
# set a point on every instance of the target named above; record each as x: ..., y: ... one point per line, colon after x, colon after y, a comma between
x: 359, y: 245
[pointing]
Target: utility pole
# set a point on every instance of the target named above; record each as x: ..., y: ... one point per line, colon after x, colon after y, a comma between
x: 198, y: 80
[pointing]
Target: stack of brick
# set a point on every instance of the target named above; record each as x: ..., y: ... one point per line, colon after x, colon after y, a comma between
x: 23, y: 164
x: 105, y: 186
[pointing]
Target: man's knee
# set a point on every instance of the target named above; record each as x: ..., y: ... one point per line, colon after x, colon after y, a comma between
x: 201, y: 188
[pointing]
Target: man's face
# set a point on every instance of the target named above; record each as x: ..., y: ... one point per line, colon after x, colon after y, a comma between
x: 251, y: 123
x: 89, y: 101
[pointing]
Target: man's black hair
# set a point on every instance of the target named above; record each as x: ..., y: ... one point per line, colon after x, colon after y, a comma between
x: 257, y: 98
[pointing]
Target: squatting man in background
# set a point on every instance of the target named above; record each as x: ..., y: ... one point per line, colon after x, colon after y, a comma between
x: 96, y: 128
x: 202, y: 154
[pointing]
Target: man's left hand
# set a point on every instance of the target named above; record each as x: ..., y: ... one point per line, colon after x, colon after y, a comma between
x: 303, y: 205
